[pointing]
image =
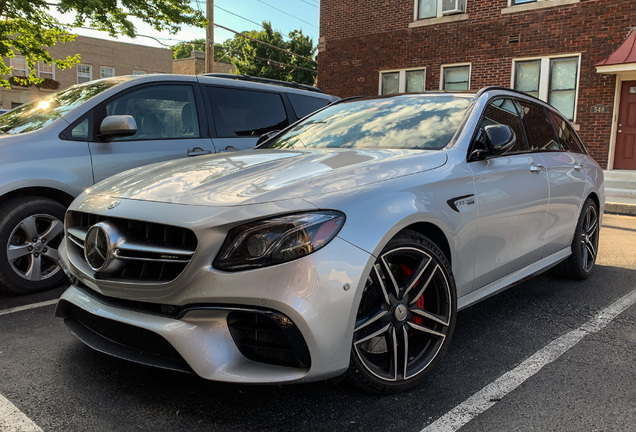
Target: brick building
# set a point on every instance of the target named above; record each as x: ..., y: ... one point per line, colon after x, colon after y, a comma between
x: 195, y: 65
x: 100, y: 58
x: 578, y: 55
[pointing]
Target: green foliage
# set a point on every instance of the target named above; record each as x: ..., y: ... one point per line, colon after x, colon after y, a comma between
x: 184, y: 50
x: 27, y: 27
x: 252, y: 58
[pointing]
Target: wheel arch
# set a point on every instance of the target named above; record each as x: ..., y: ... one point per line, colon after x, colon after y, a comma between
x: 435, y: 234
x: 62, y: 197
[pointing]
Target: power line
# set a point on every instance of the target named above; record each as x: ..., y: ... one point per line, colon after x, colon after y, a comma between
x: 265, y: 43
x: 269, y: 61
x: 310, y: 4
x: 282, y: 11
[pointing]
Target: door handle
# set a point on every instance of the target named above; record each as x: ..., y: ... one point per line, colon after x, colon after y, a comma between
x: 198, y: 151
x: 536, y: 168
x: 578, y: 167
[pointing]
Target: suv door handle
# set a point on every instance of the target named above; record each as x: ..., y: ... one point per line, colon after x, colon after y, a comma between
x: 536, y: 168
x: 198, y: 151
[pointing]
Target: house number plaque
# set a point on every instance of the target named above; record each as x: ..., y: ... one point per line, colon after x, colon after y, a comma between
x: 599, y: 109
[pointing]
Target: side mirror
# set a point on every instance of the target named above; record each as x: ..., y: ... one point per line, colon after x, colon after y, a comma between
x: 266, y: 136
x: 118, y: 126
x: 493, y: 140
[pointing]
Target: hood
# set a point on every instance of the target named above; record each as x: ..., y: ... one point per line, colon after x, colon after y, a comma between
x: 259, y: 176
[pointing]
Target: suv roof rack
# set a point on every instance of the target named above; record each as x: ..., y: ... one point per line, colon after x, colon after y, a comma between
x: 292, y: 84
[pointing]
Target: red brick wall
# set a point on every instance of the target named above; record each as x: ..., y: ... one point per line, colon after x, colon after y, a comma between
x: 362, y: 39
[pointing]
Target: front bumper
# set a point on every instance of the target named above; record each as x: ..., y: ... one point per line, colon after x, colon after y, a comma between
x: 317, y: 294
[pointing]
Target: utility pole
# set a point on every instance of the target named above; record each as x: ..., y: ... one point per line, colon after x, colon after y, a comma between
x: 209, y: 46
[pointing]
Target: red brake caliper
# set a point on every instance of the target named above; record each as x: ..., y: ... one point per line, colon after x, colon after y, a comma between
x: 420, y: 301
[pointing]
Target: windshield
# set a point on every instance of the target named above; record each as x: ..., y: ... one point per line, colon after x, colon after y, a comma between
x: 40, y: 113
x: 404, y: 122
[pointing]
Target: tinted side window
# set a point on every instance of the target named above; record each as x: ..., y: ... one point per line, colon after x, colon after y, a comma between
x: 505, y: 111
x: 305, y: 105
x: 567, y: 137
x: 164, y: 111
x: 538, y: 127
x: 240, y: 112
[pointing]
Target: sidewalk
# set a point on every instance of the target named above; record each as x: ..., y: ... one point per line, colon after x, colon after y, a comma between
x: 620, y: 208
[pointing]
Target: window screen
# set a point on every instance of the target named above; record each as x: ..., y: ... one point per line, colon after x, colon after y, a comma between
x: 240, y: 112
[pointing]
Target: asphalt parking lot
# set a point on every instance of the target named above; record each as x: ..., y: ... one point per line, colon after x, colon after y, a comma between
x: 546, y: 355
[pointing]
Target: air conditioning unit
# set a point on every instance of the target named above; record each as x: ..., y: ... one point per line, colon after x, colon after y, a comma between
x: 450, y: 7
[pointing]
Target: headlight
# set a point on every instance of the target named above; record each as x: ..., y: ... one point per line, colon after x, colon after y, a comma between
x: 277, y: 240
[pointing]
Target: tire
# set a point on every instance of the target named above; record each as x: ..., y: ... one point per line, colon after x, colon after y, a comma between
x: 406, y: 316
x: 31, y: 230
x: 580, y: 264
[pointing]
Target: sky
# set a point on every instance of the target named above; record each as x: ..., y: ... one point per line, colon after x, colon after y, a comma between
x: 238, y: 15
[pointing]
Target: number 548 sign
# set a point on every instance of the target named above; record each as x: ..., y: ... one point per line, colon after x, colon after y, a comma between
x: 599, y: 109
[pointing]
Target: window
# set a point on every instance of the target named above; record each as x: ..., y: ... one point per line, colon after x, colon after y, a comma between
x: 530, y: 5
x: 402, y: 81
x: 305, y: 105
x: 139, y: 72
x: 551, y: 79
x: 84, y: 73
x: 106, y: 72
x: 427, y: 9
x: 506, y: 112
x: 45, y: 71
x: 162, y: 111
x: 19, y: 66
x: 241, y: 113
x: 567, y: 137
x: 455, y: 77
x: 538, y: 127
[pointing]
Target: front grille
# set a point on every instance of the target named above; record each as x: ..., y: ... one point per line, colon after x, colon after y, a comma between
x: 122, y: 340
x: 268, y: 337
x: 149, y: 252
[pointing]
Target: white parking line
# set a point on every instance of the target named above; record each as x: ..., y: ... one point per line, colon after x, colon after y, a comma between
x: 13, y: 420
x: 493, y: 392
x: 27, y: 307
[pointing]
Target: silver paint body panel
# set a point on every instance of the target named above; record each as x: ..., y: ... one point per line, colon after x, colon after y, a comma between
x: 517, y: 224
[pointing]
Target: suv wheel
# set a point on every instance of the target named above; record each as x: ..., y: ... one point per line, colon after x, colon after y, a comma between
x: 31, y: 230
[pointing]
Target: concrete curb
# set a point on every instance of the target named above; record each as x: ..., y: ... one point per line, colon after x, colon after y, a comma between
x: 620, y: 208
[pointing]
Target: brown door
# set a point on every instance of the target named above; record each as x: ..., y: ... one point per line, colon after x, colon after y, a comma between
x: 625, y: 155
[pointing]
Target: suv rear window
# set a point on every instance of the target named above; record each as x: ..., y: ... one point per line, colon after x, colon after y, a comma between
x: 239, y: 113
x: 305, y: 105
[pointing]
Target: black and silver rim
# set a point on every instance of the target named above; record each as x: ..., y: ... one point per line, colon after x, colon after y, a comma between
x: 589, y: 238
x: 32, y: 247
x: 404, y: 315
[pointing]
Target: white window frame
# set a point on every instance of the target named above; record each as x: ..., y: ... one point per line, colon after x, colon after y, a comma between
x: 401, y: 78
x: 537, y: 4
x: 544, y: 76
x: 40, y: 64
x: 454, y: 65
x: 440, y: 18
x: 84, y: 75
x: 26, y: 66
x: 104, y: 68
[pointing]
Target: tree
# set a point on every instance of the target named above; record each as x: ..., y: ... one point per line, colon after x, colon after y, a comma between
x: 28, y: 28
x: 256, y: 59
x: 184, y: 50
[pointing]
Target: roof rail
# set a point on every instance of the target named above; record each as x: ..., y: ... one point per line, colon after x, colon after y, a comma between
x: 264, y: 81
